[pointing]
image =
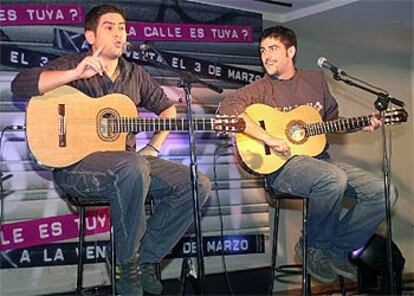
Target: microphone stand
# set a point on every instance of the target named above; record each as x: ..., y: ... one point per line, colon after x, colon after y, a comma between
x: 185, y: 82
x: 381, y: 104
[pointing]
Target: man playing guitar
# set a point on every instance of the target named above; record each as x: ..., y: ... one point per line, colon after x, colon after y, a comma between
x: 331, y: 237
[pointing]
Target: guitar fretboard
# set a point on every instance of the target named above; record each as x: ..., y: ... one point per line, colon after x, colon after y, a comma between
x: 337, y: 125
x: 135, y: 125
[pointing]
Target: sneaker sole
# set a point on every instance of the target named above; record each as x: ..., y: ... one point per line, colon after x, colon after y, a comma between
x: 345, y: 274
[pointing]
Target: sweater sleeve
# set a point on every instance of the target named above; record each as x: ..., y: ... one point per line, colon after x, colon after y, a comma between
x: 242, y: 98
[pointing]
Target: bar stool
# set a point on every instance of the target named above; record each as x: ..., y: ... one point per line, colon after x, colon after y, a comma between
x: 82, y: 205
x: 99, y: 202
x: 274, y: 198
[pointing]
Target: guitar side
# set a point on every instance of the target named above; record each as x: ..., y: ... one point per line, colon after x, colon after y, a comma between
x: 81, y: 135
x: 282, y: 125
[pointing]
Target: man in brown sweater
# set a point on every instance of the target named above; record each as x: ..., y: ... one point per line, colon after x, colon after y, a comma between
x: 331, y: 236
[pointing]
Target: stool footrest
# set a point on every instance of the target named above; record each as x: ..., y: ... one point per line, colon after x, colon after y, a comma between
x: 290, y: 269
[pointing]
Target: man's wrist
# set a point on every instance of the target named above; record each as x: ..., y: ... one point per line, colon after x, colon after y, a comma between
x: 152, y: 147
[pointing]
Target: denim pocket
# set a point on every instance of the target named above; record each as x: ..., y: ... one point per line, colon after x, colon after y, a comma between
x: 84, y: 184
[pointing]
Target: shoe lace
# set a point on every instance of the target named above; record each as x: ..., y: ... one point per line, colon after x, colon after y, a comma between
x: 318, y: 256
x: 149, y: 269
x: 131, y: 270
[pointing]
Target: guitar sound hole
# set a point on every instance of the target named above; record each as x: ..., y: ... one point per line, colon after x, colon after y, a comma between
x: 295, y: 132
x: 107, y: 125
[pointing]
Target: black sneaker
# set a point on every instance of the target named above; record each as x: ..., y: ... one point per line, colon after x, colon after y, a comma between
x: 129, y: 281
x: 150, y: 283
x: 343, y: 267
x: 319, y: 266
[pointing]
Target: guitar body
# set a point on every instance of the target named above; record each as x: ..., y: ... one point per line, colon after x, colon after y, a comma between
x: 57, y: 142
x: 284, y: 125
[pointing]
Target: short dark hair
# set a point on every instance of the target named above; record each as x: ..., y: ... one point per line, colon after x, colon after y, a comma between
x: 285, y: 35
x: 93, y: 15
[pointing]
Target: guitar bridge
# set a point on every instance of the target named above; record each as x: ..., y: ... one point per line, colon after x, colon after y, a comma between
x: 266, y: 147
x: 62, y: 125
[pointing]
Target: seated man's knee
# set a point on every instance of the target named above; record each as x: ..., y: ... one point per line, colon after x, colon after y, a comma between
x: 335, y: 179
x: 134, y: 165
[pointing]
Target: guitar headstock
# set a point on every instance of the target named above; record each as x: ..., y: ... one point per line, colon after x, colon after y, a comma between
x: 394, y: 116
x: 228, y: 124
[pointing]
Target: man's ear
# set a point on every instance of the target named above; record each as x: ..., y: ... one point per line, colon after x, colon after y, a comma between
x: 90, y: 37
x: 292, y: 51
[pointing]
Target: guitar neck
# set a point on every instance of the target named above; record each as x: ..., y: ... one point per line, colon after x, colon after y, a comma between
x: 140, y: 124
x: 338, y: 125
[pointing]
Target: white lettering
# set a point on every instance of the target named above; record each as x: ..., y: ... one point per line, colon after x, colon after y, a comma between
x: 233, y: 245
x: 43, y: 61
x: 241, y: 75
x: 189, y: 248
x: 18, y: 235
x: 132, y: 31
x: 56, y: 228
x: 101, y: 252
x: 59, y: 255
x: 178, y: 63
x: 45, y: 257
x: 25, y: 257
x: 90, y: 254
x: 3, y: 241
x: 197, y: 67
x: 90, y: 223
x: 162, y: 32
x: 10, y: 16
x: 224, y: 33
x: 17, y: 57
x: 59, y: 15
x: 46, y: 230
x: 216, y: 71
x: 44, y: 14
x: 101, y: 221
x: 244, y: 244
x: 196, y: 32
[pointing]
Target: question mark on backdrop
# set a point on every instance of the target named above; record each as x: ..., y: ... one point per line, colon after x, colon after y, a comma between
x: 74, y: 13
x: 245, y: 34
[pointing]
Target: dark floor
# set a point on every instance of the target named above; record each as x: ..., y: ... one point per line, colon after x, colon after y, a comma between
x: 251, y: 282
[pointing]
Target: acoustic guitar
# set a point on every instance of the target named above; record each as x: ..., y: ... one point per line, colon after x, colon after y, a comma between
x: 303, y: 130
x: 65, y: 125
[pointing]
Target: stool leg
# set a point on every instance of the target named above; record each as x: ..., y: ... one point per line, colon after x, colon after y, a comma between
x: 306, y: 288
x: 80, y: 249
x: 274, y: 245
x: 342, y: 285
x: 113, y: 264
x: 157, y: 265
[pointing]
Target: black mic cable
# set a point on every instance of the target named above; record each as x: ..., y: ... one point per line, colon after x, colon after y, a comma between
x: 223, y: 256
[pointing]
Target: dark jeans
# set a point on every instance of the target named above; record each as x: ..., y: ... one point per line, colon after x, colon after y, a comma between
x: 325, y: 182
x: 126, y: 179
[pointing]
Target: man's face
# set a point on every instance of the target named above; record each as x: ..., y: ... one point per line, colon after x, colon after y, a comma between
x: 276, y: 58
x: 110, y: 34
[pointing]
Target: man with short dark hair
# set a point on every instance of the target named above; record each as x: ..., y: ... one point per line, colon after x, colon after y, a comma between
x: 126, y: 178
x: 331, y: 237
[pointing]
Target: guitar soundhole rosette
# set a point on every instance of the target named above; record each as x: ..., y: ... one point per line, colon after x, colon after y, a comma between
x: 107, y: 125
x: 295, y: 132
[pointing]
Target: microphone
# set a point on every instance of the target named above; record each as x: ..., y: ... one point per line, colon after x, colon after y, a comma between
x: 323, y: 63
x: 128, y: 47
